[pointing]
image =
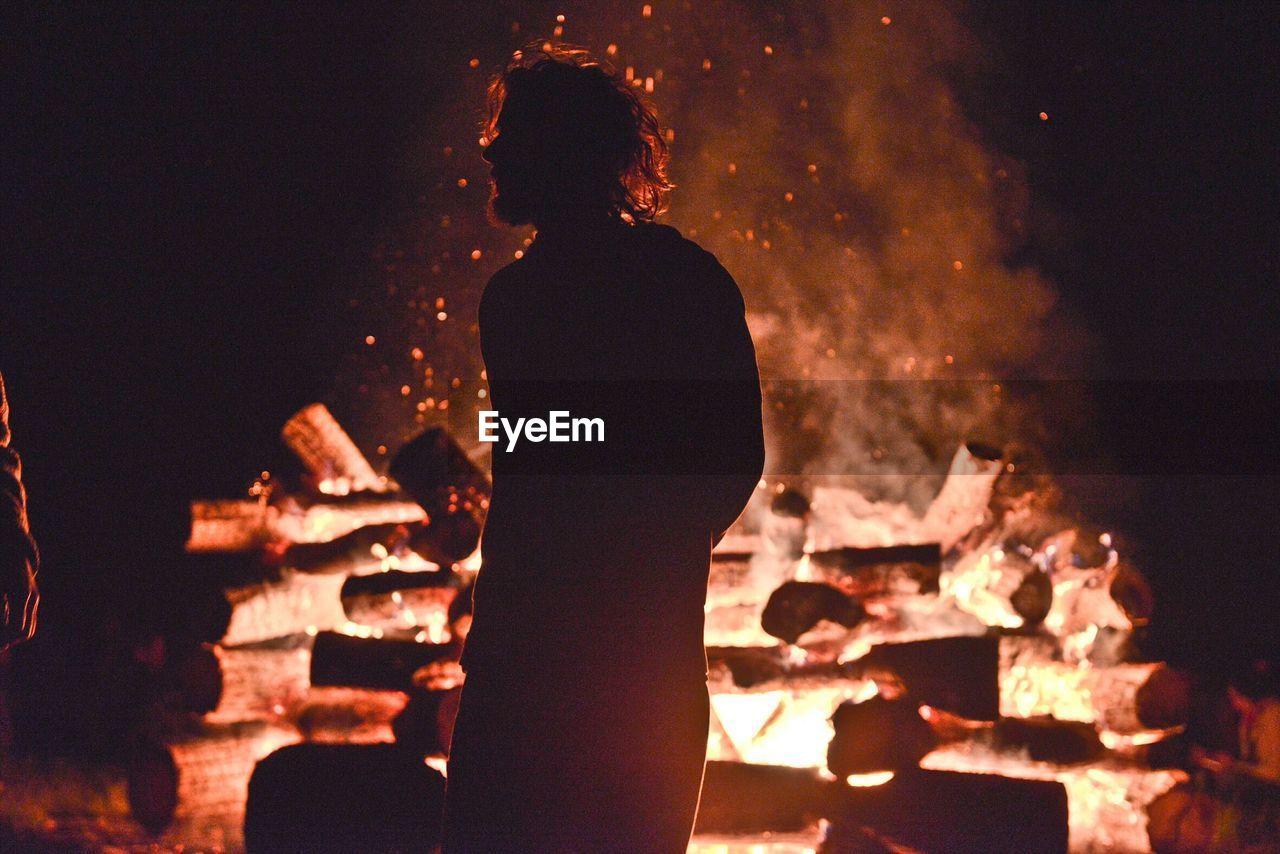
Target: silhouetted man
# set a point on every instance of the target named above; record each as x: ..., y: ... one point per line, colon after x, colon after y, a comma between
x: 583, y: 721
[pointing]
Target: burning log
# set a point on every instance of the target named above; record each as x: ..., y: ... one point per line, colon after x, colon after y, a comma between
x: 1045, y: 740
x: 878, y: 735
x: 361, y: 551
x: 742, y: 798
x: 892, y: 735
x: 453, y: 491
x: 734, y: 667
x: 1000, y: 587
x: 348, y: 715
x: 782, y: 721
x: 730, y: 571
x: 1106, y: 800
x: 961, y: 505
x: 235, y: 526
x: 1033, y: 598
x: 798, y: 606
x: 740, y: 582
x: 328, y: 452
x: 738, y: 588
x: 863, y: 573
x: 385, y: 664
x: 1124, y: 698
x: 263, y: 679
x: 959, y: 674
x: 340, y: 515
x: 343, y: 797
x: 846, y: 517
x: 204, y: 772
x: 229, y: 526
x: 295, y: 605
x: 402, y: 600
x: 1083, y: 605
x: 734, y: 625
x: 945, y: 811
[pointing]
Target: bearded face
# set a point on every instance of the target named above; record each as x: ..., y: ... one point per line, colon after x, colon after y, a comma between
x: 542, y: 170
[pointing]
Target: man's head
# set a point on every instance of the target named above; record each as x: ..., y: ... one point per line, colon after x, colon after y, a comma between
x: 569, y: 140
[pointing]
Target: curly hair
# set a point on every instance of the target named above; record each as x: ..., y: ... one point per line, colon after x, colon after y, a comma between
x: 613, y: 133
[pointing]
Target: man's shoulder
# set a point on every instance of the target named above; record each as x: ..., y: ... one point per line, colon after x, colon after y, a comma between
x: 509, y: 273
x: 697, y: 270
x: 504, y: 283
x: 669, y: 238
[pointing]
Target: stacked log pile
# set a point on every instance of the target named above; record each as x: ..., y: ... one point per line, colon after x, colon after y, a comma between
x: 860, y: 654
x: 342, y: 604
x: 860, y: 640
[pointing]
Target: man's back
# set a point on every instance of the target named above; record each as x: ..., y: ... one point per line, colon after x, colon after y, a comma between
x: 599, y: 550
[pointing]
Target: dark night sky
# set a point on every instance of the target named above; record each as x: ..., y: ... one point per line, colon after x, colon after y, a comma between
x: 187, y: 192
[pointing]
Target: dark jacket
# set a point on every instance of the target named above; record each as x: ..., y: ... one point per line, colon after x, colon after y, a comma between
x: 596, y: 554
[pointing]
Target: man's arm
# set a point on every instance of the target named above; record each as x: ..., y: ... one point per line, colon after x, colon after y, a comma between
x: 18, y: 556
x: 736, y: 448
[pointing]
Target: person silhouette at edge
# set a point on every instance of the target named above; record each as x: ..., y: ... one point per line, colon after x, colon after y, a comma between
x: 584, y: 716
x: 19, y: 559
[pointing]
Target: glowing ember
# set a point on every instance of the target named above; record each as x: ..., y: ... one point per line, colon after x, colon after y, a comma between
x: 874, y: 778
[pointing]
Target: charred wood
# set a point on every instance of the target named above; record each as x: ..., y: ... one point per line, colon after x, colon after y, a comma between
x: 1045, y: 740
x: 891, y: 735
x: 798, y: 606
x: 944, y: 811
x: 400, y: 599
x: 863, y: 573
x: 328, y: 452
x: 959, y: 674
x: 343, y: 798
x: 878, y: 735
x: 1033, y: 597
x: 742, y: 798
x: 385, y: 664
x: 202, y: 772
x: 348, y: 715
x: 451, y: 488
